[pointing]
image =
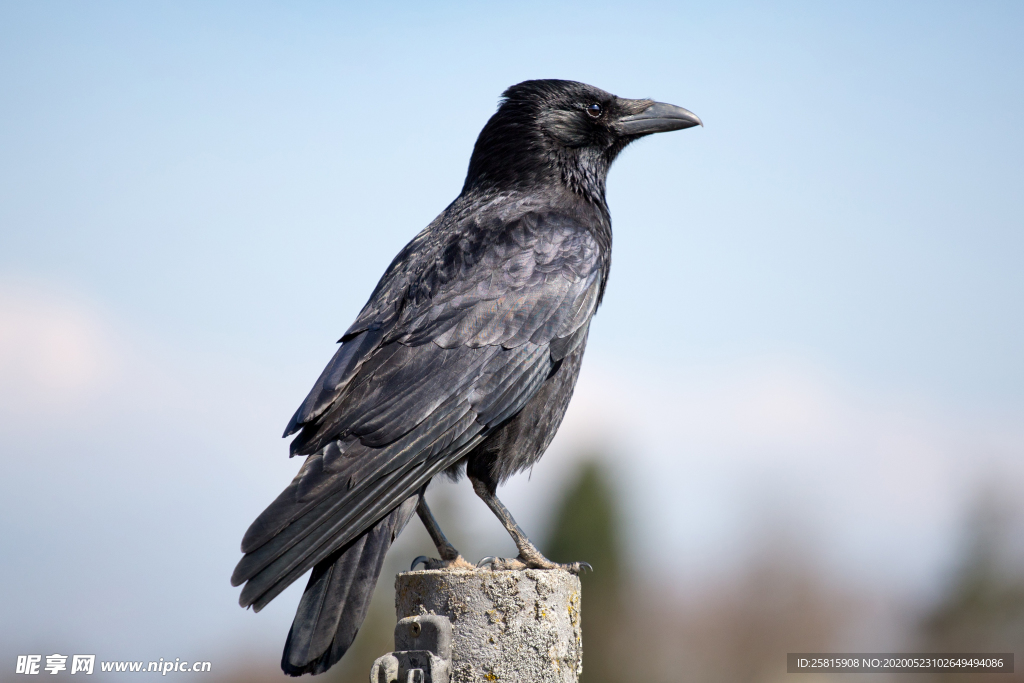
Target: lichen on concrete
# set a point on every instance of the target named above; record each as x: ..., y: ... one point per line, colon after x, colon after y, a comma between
x: 508, y: 626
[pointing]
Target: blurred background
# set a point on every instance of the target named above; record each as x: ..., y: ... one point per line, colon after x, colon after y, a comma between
x: 800, y: 423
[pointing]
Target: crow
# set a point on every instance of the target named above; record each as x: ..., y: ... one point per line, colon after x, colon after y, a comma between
x: 463, y: 360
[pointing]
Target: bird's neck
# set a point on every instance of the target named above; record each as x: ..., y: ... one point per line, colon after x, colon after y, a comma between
x: 583, y: 172
x: 533, y: 165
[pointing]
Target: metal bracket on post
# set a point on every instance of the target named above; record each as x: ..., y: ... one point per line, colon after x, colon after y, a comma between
x: 423, y: 650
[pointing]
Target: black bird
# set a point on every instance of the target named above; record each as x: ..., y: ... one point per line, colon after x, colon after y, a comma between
x: 464, y: 358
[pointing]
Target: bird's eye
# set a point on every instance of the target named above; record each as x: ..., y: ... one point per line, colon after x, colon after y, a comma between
x: 594, y: 110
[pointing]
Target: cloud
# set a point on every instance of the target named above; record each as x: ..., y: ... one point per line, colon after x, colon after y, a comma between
x: 52, y: 351
x: 135, y: 464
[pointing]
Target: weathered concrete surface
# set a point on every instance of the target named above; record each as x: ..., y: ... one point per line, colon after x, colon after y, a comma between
x: 508, y: 626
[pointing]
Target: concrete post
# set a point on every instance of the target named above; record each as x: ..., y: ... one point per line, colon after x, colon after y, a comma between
x: 507, y: 626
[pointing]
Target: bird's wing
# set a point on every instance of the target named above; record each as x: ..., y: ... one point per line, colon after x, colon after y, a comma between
x: 459, y: 335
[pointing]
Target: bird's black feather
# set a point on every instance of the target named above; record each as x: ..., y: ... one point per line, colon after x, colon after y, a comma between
x: 390, y: 412
x: 337, y: 596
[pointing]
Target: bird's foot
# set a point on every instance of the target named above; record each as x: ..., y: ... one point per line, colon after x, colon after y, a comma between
x: 532, y: 561
x: 456, y: 562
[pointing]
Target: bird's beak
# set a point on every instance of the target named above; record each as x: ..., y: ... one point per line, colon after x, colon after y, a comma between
x: 658, y: 117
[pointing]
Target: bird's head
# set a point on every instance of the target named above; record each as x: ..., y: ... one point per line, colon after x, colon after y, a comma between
x: 563, y: 132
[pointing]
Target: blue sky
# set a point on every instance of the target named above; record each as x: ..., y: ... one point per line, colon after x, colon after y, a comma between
x: 852, y: 196
x: 825, y: 281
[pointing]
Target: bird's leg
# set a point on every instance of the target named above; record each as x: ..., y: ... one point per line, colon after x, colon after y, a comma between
x: 529, y: 556
x: 445, y: 549
x: 450, y: 557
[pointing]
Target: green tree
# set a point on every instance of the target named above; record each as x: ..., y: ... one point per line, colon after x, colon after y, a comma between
x: 586, y: 528
x: 983, y: 608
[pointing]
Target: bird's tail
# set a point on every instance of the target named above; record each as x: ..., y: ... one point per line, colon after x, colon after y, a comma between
x: 336, y: 598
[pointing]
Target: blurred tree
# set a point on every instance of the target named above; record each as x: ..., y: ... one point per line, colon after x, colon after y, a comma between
x: 586, y: 528
x: 983, y: 607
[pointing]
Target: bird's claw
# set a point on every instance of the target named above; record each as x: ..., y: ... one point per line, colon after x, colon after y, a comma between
x: 505, y: 564
x: 501, y: 564
x: 431, y: 563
